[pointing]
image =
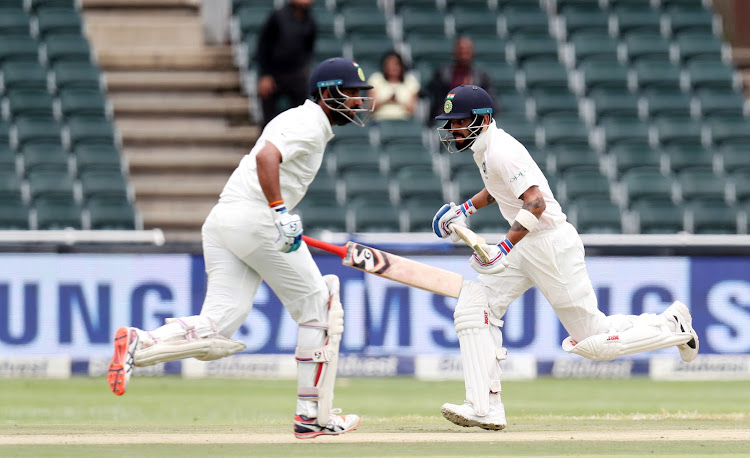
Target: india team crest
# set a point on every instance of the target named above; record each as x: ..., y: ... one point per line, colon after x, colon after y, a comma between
x: 360, y: 73
x: 448, y: 103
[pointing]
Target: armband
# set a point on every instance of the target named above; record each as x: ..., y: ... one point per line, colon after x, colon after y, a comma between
x: 527, y: 219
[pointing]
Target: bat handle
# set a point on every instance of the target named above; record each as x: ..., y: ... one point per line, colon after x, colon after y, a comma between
x: 325, y: 246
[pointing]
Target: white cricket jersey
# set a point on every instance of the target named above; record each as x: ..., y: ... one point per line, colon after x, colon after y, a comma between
x: 508, y: 170
x: 301, y: 135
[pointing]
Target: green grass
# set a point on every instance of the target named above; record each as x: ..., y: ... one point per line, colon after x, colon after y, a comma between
x: 237, y: 409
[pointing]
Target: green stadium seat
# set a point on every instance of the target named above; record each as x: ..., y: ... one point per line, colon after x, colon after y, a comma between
x: 688, y: 155
x: 55, y: 213
x: 713, y: 217
x: 735, y: 156
x: 103, y: 183
x: 627, y: 156
x: 646, y: 183
x: 645, y: 45
x: 461, y: 162
x: 539, y: 73
x: 578, y: 182
x: 511, y: 105
x: 370, y: 47
x: 14, y: 215
x: 601, y: 74
x: 375, y: 215
x: 583, y: 19
x: 50, y: 183
x: 10, y: 185
x: 488, y: 48
x: 416, y: 180
x: 97, y: 157
x: 596, y: 215
x: 322, y: 215
x: 36, y: 130
x: 323, y: 188
x: 467, y: 183
x: 696, y: 20
x: 28, y: 102
x: 364, y: 18
x: 488, y: 221
x: 622, y: 129
x: 585, y: 46
x: 721, y: 103
x: 15, y: 48
x: 343, y: 158
x: 111, y: 214
x: 23, y: 75
x: 523, y: 19
x: 691, y: 45
x: 677, y: 130
x: 83, y: 102
x: 57, y: 21
x: 637, y: 19
x: 66, y: 48
x: 710, y: 74
x: 723, y: 131
x: 37, y: 5
x: 14, y: 22
x: 421, y: 20
x: 76, y: 75
x: 569, y: 157
x: 657, y: 74
x: 475, y: 22
x: 502, y: 74
x: 433, y: 49
x: 251, y: 18
x: 399, y: 132
x: 557, y: 103
x: 326, y: 47
x: 42, y: 156
x: 325, y: 20
x: 606, y: 101
x: 521, y: 48
x: 7, y: 158
x: 628, y: 5
x: 520, y: 129
x: 741, y: 182
x: 419, y: 212
x: 89, y: 131
x: 659, y: 216
x: 701, y: 183
x: 398, y: 157
x: 361, y: 183
x: 659, y: 101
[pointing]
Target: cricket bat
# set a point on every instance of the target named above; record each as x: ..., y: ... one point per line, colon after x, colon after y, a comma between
x: 473, y: 240
x: 392, y: 267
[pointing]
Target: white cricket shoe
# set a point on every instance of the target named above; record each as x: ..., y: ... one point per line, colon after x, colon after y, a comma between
x: 308, y: 428
x: 680, y: 313
x: 464, y: 415
x: 121, y: 366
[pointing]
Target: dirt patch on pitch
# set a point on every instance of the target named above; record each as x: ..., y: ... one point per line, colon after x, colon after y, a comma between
x: 363, y: 437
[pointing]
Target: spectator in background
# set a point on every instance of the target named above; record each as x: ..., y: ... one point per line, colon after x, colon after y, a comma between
x: 394, y: 89
x: 284, y: 52
x: 460, y: 71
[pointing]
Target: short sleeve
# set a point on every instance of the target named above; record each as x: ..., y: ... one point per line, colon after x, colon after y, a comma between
x: 515, y: 167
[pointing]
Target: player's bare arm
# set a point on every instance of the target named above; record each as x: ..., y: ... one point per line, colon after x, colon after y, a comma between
x: 533, y: 202
x: 268, y: 160
x: 482, y: 199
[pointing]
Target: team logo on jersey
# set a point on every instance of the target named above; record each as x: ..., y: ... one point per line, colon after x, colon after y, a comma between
x: 448, y: 103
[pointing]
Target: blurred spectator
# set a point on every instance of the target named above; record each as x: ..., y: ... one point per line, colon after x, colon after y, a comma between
x: 285, y: 49
x: 460, y: 71
x: 394, y: 89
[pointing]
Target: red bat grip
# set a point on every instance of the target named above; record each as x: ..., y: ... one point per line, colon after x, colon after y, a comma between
x: 325, y: 246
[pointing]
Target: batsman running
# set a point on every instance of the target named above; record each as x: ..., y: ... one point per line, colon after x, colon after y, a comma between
x: 250, y: 236
x: 541, y: 249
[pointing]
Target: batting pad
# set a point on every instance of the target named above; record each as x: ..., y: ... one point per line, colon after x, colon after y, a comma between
x: 326, y: 357
x: 481, y: 348
x: 639, y: 338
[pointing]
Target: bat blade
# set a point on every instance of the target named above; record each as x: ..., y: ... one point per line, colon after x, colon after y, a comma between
x: 475, y: 241
x: 396, y: 268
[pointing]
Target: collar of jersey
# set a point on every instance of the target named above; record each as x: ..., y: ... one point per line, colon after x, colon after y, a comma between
x: 318, y: 110
x: 483, y: 139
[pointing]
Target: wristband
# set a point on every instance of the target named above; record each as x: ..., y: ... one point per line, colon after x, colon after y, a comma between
x: 526, y: 219
x: 468, y: 208
x: 278, y: 207
x: 505, y: 246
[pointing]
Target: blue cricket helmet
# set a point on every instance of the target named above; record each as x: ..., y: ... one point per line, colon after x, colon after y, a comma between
x: 466, y: 101
x: 338, y: 71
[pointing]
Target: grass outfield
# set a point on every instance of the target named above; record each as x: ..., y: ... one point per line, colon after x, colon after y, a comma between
x: 170, y: 416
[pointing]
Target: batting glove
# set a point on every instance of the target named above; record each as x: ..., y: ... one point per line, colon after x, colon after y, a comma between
x: 290, y: 229
x: 498, y: 258
x: 451, y: 214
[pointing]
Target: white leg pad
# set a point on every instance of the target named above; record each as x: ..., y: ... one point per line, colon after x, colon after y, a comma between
x: 198, y: 340
x: 647, y: 332
x: 327, y: 356
x: 481, y: 348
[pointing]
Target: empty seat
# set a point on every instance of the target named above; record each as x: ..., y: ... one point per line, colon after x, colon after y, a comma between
x: 418, y: 181
x: 103, y: 183
x: 600, y: 74
x: 18, y: 48
x: 57, y: 20
x: 659, y: 216
x: 710, y: 74
x: 375, y: 215
x: 723, y: 131
x: 677, y: 130
x: 488, y: 221
x: 523, y: 19
x: 713, y: 217
x: 720, y: 103
x: 544, y: 73
x: 416, y: 19
x: 419, y: 212
x: 430, y: 49
x: 646, y: 183
x: 614, y: 130
x: 33, y: 130
x: 366, y: 47
x: 521, y: 130
x: 35, y: 6
x: 626, y: 20
x: 43, y: 156
x: 685, y: 156
x: 585, y: 46
x: 110, y: 213
x: 364, y: 19
x: 83, y: 102
x: 398, y: 157
x: 70, y: 48
x: 546, y: 102
x: 596, y: 215
x: 322, y: 215
x: 14, y: 22
x: 343, y: 158
x: 611, y: 101
x: 97, y: 157
x: 735, y: 156
x: 10, y: 185
x: 580, y: 182
x: 23, y: 75
x: 651, y: 46
x: 568, y: 157
x: 358, y: 183
x: 251, y: 18
x: 627, y: 156
x: 7, y: 158
x: 90, y: 131
x: 585, y: 19
x: 466, y: 183
x: 76, y: 75
x: 14, y: 215
x: 659, y: 101
x: 323, y: 187
x: 28, y: 102
x: 475, y: 22
x: 741, y: 182
x: 700, y: 183
x: 399, y: 132
x: 57, y: 213
x: 657, y: 74
x: 50, y: 183
x: 563, y: 129
x: 697, y: 45
x: 696, y: 20
x: 523, y: 47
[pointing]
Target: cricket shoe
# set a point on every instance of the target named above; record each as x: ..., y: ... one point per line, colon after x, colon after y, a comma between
x: 308, y: 428
x: 681, y: 314
x: 464, y: 415
x: 121, y: 366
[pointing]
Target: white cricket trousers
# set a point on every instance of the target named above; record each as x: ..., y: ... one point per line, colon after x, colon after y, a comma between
x: 553, y: 261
